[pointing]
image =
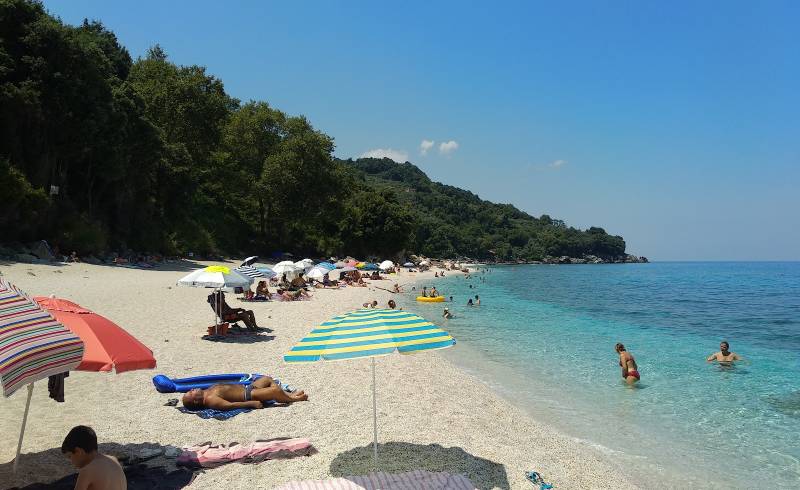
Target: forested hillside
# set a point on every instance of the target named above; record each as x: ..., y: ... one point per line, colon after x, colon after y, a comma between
x: 102, y: 152
x: 449, y: 221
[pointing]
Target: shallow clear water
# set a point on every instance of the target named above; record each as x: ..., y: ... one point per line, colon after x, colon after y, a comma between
x: 544, y: 336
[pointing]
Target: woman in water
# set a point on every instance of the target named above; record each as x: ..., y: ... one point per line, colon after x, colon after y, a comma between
x: 630, y: 371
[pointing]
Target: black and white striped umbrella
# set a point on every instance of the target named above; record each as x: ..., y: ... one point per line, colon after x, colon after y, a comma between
x: 253, y: 273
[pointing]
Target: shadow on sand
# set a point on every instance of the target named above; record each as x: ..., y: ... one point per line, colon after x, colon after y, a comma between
x: 182, y: 265
x: 399, y: 457
x: 145, y: 467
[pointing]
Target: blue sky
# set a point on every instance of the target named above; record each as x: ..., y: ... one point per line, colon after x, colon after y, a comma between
x: 674, y: 124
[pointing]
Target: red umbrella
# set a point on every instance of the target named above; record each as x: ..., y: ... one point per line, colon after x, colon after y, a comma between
x: 107, y: 345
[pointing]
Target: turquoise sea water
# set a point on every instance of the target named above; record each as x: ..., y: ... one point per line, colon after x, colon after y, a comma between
x: 544, y: 337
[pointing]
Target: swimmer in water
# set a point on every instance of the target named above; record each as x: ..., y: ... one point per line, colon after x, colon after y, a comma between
x: 724, y: 357
x: 630, y: 371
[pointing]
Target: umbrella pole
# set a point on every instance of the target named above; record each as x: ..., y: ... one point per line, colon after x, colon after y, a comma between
x: 374, y: 417
x: 22, y: 430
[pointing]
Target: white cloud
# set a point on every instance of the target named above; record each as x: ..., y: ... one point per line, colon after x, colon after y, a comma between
x: 557, y: 163
x: 448, y: 147
x: 425, y: 146
x: 398, y: 156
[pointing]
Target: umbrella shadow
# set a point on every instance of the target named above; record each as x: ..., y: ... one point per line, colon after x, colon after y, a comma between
x: 145, y: 465
x: 239, y: 339
x: 400, y: 457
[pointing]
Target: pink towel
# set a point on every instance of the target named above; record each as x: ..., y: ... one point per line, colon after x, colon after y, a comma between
x: 209, y: 456
x: 413, y: 480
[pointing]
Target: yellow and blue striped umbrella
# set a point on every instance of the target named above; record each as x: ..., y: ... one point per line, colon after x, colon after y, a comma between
x: 369, y: 332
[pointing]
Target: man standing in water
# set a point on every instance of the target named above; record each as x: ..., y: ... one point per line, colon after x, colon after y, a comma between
x: 630, y: 371
x: 724, y: 356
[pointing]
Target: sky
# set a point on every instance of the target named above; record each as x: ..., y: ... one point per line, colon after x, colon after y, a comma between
x: 674, y: 124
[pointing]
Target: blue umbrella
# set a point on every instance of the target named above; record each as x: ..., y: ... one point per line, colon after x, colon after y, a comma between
x: 326, y: 265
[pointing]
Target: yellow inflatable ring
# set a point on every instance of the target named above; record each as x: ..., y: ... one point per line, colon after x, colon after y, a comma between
x: 425, y: 299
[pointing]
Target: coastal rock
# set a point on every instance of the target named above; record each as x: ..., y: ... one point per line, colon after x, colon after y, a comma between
x: 42, y: 250
x: 27, y: 258
x: 92, y: 260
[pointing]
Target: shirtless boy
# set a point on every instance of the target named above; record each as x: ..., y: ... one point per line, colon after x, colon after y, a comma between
x: 230, y: 397
x: 724, y: 356
x: 95, y: 470
x: 630, y: 371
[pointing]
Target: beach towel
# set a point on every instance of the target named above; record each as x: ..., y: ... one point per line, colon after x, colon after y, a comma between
x: 208, y: 455
x: 412, y: 480
x: 211, y: 413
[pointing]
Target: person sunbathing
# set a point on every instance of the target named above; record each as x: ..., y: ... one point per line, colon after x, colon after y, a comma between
x: 228, y: 314
x: 292, y: 295
x: 326, y: 282
x: 231, y: 396
x: 297, y: 283
x: 262, y: 291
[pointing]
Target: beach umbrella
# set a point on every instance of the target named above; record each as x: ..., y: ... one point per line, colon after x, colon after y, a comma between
x: 254, y: 272
x: 215, y: 276
x: 267, y: 272
x: 348, y: 268
x: 249, y: 260
x: 370, y: 267
x: 106, y: 345
x: 304, y: 265
x: 386, y: 264
x: 340, y: 264
x: 351, y: 263
x: 326, y: 265
x: 369, y: 333
x: 317, y: 273
x: 33, y: 346
x: 286, y: 267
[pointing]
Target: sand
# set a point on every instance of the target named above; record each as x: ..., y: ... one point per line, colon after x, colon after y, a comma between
x: 431, y: 415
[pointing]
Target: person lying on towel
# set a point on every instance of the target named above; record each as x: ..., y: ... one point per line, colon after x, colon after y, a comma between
x: 229, y: 396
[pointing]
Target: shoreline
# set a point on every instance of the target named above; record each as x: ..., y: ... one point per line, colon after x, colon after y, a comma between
x: 425, y: 420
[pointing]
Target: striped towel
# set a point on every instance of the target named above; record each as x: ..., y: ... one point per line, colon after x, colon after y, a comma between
x: 412, y: 480
x: 210, y: 413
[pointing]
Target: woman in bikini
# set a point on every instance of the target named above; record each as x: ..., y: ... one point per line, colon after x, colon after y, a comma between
x: 630, y: 371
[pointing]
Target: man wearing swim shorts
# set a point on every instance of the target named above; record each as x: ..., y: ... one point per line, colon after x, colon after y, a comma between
x: 724, y: 356
x: 630, y: 372
x: 230, y: 396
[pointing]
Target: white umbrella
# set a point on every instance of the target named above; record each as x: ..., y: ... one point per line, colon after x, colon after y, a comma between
x: 287, y: 268
x: 317, y: 273
x: 386, y: 264
x: 249, y: 260
x: 305, y: 264
x: 217, y: 277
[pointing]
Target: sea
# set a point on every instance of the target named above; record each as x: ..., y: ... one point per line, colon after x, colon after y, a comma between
x: 543, y: 337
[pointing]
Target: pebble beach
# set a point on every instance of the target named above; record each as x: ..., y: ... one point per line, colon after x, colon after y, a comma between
x: 431, y: 415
